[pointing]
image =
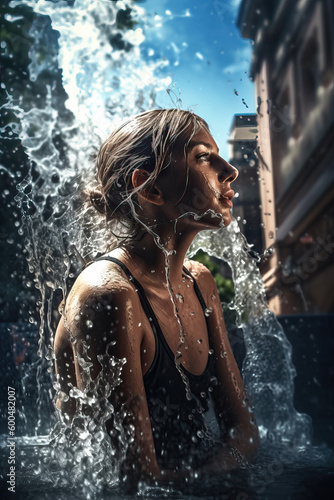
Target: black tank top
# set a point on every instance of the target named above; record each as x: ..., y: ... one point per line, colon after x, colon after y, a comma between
x: 177, y: 399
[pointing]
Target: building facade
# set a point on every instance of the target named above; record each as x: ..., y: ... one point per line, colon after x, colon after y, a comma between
x: 293, y: 71
x: 247, y: 204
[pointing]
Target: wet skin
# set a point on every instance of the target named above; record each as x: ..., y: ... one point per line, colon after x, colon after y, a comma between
x: 125, y: 325
x: 206, y: 187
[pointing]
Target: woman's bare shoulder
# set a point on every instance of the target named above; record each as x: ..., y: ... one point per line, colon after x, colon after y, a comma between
x: 101, y: 287
x: 203, y: 277
x: 99, y: 278
x: 198, y: 270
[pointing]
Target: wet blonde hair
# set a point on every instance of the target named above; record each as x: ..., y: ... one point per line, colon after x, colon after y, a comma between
x: 143, y: 141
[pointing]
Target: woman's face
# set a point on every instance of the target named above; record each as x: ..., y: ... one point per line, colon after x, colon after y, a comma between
x: 208, y: 192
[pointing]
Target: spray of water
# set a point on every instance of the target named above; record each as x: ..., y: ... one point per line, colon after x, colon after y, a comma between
x: 103, y: 85
x: 268, y: 371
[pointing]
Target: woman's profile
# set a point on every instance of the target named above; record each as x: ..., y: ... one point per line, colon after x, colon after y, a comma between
x: 161, y: 181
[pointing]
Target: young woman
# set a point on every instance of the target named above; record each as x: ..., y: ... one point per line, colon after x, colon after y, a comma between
x: 161, y: 181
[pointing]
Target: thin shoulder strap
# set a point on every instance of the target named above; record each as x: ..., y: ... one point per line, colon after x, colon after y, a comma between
x: 140, y: 288
x: 142, y: 296
x: 197, y: 290
x: 203, y: 304
x: 147, y: 306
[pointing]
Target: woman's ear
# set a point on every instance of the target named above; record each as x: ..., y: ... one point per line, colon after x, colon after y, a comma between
x: 150, y: 193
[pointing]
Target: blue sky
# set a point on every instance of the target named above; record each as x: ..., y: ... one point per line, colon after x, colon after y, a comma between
x: 208, y: 59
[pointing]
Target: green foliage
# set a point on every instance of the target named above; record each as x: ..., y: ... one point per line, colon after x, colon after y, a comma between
x: 224, y: 285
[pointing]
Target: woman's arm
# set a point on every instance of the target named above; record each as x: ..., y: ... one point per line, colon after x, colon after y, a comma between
x: 232, y: 407
x: 65, y: 372
x: 105, y: 316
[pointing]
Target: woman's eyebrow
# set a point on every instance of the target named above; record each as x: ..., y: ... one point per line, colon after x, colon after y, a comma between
x: 192, y: 144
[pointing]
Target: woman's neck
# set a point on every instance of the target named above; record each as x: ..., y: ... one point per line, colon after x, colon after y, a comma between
x: 153, y: 254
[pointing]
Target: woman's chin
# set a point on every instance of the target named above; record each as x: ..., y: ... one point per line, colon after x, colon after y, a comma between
x: 224, y: 221
x: 217, y: 223
x: 227, y: 220
x: 206, y: 221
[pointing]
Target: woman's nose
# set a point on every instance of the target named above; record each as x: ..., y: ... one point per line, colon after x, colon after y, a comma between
x: 227, y: 173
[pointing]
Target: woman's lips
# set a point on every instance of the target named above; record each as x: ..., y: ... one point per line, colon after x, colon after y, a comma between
x: 226, y: 198
x: 226, y: 201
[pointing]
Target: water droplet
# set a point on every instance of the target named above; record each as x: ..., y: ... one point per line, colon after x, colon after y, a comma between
x: 208, y: 311
x: 213, y: 297
x: 89, y: 323
x: 98, y: 436
x: 269, y: 251
x: 199, y: 341
x: 180, y: 297
x: 211, y: 351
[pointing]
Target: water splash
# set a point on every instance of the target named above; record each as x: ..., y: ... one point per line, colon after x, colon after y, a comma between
x: 88, y: 456
x: 268, y: 371
x: 105, y: 79
x: 103, y: 85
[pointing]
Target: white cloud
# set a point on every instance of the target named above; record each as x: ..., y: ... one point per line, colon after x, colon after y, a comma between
x: 175, y: 48
x: 242, y: 60
x: 236, y: 68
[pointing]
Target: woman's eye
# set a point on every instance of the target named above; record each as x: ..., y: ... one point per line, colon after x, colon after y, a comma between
x: 204, y: 157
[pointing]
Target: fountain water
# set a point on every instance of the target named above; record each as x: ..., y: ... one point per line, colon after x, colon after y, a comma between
x: 105, y: 78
